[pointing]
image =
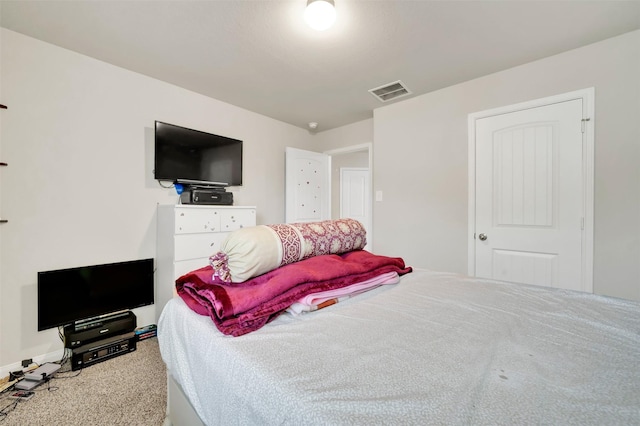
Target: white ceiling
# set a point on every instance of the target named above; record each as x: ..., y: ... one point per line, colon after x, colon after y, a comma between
x: 260, y: 56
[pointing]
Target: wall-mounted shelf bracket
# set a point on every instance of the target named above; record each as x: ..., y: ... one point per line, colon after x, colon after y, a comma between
x: 3, y: 106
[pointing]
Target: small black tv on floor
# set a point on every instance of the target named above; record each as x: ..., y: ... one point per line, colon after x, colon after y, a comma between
x: 66, y: 296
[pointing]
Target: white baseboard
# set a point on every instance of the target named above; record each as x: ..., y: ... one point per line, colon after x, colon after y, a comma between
x: 40, y: 359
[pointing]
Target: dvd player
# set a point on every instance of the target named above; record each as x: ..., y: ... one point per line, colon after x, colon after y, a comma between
x: 103, y: 350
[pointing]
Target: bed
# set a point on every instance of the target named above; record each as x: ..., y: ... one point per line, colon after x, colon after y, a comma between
x: 435, y: 348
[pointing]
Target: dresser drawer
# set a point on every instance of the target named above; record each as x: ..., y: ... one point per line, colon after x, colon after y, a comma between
x: 230, y: 220
x: 189, y: 220
x: 182, y: 267
x: 192, y: 246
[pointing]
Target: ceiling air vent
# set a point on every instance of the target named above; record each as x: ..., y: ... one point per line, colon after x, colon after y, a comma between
x: 390, y: 91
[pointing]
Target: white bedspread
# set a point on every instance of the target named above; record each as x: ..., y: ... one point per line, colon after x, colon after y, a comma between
x: 437, y: 348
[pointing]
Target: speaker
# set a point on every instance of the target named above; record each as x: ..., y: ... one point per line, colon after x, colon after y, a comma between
x: 207, y: 197
x: 76, y: 335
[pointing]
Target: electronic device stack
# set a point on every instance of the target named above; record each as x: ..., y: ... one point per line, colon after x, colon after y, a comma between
x: 93, y: 303
x: 206, y: 196
x: 101, y: 338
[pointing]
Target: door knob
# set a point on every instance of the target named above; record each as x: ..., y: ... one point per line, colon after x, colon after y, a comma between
x: 482, y: 237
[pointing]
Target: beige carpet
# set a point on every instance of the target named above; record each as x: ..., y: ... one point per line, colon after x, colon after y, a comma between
x: 127, y: 390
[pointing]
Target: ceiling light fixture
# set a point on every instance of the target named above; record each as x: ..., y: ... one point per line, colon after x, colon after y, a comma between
x: 320, y: 14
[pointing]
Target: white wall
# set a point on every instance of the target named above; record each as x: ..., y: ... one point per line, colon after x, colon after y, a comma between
x: 426, y: 139
x: 79, y: 189
x: 357, y: 133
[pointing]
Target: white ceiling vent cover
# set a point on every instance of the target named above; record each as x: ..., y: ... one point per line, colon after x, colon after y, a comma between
x: 390, y: 91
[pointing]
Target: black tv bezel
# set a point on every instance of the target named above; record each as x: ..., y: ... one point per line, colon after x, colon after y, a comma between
x: 60, y: 320
x: 215, y: 141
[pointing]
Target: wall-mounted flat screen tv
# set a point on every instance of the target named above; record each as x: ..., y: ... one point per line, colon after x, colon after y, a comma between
x: 190, y: 156
x: 66, y: 296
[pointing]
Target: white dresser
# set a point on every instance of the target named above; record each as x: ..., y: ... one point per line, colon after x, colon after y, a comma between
x: 186, y: 236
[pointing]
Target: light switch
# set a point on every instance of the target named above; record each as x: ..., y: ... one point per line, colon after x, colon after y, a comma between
x: 378, y: 195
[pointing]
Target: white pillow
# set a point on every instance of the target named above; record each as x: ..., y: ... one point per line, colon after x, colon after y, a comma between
x: 253, y: 251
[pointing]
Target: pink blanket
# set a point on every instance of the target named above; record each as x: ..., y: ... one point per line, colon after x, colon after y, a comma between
x: 239, y: 308
x: 315, y: 301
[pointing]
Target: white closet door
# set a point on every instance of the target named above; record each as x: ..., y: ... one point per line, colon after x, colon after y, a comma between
x: 529, y: 196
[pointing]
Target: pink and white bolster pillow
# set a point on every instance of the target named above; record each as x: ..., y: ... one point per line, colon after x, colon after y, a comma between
x: 253, y: 251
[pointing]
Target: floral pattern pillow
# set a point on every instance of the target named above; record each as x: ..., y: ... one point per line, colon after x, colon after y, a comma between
x: 249, y: 252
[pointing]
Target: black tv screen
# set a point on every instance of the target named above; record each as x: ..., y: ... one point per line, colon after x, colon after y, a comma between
x: 194, y: 157
x: 69, y: 295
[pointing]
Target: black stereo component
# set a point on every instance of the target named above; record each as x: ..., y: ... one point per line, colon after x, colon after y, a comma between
x: 80, y: 334
x: 207, y: 196
x: 103, y: 350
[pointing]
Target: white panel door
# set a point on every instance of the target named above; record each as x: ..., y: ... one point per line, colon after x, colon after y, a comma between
x: 307, y: 186
x: 529, y: 196
x: 354, y: 196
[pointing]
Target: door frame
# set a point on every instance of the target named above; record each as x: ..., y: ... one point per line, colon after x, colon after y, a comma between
x: 588, y: 155
x: 357, y: 148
